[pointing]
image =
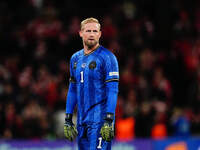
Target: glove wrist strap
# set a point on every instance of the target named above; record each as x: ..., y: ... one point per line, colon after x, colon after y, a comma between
x: 68, y: 117
x: 109, y: 118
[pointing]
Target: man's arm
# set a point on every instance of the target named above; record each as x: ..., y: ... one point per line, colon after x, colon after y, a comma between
x: 112, y: 93
x: 112, y: 82
x: 107, y: 130
x: 71, y: 97
x: 70, y: 131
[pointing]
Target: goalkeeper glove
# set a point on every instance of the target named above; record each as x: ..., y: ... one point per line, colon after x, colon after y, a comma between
x: 107, y: 130
x: 70, y: 131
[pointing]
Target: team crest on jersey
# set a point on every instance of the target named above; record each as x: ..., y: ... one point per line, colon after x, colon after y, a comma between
x: 92, y: 65
x: 75, y: 65
x: 83, y: 65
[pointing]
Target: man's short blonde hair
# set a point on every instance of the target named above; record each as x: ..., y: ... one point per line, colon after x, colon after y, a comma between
x: 90, y: 20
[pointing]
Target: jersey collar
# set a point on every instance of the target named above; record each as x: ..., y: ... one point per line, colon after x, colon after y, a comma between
x: 91, y: 51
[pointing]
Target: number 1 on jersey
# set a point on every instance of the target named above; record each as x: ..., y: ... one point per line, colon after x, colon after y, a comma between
x: 82, y: 77
x: 100, y: 142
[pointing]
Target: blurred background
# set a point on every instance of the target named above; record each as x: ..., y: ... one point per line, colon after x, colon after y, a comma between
x: 157, y: 44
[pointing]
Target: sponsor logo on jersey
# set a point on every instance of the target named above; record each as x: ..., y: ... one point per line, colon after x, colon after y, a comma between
x: 113, y: 73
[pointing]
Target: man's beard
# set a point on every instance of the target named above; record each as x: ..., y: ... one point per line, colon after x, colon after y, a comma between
x: 90, y: 44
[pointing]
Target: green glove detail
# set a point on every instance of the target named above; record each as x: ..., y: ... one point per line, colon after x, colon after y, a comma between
x: 70, y: 130
x: 107, y: 130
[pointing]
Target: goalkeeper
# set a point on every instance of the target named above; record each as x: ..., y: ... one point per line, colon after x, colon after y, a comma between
x: 93, y: 87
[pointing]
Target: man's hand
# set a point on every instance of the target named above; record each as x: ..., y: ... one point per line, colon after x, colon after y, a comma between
x: 69, y: 128
x: 107, y: 130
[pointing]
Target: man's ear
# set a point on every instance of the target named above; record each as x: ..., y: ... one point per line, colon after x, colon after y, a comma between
x: 80, y: 33
x: 100, y: 34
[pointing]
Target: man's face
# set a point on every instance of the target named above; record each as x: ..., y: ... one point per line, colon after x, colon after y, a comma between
x: 90, y: 34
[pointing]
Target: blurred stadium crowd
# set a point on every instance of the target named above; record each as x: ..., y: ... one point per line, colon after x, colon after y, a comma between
x: 157, y: 44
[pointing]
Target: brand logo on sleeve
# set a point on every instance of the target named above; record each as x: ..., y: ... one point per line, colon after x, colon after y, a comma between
x: 113, y: 73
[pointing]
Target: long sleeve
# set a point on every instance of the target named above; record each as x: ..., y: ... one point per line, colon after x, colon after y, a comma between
x: 112, y: 93
x: 112, y: 82
x: 71, y: 99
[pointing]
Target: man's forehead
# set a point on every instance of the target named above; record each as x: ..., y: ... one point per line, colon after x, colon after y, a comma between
x: 91, y: 25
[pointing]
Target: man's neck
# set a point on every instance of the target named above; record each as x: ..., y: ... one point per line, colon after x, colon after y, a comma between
x: 87, y: 50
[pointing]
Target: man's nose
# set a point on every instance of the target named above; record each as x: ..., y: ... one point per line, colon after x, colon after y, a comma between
x: 91, y: 33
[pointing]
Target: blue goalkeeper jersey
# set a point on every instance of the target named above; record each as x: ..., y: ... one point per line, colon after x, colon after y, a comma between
x: 90, y: 85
